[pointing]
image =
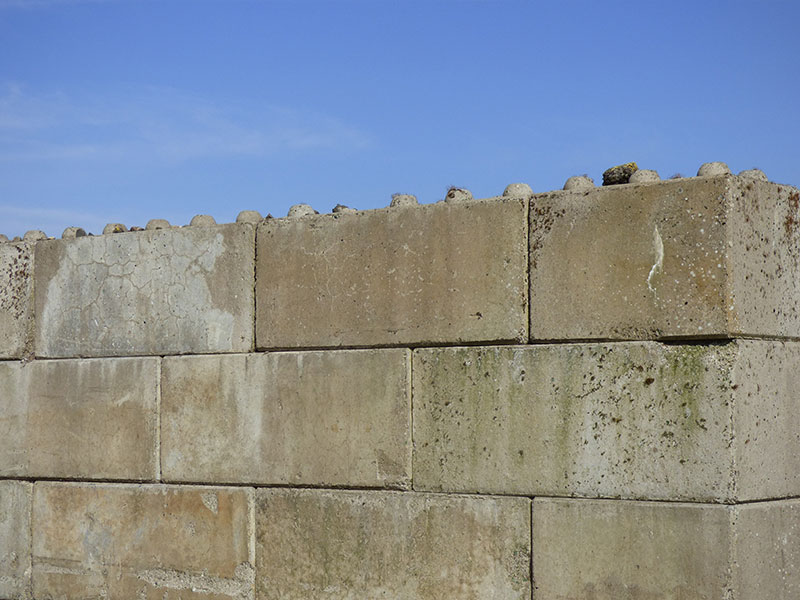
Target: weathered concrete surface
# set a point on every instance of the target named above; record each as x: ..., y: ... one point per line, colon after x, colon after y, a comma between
x: 613, y: 549
x: 88, y: 419
x: 16, y: 300
x: 449, y: 272
x: 345, y: 545
x: 170, y: 291
x: 632, y: 420
x: 767, y: 556
x: 15, y: 540
x: 701, y: 257
x: 147, y: 541
x: 304, y: 418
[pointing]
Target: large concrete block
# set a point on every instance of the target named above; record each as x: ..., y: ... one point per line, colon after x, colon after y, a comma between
x: 633, y: 420
x: 169, y: 291
x: 690, y: 258
x: 335, y: 545
x: 16, y: 300
x: 151, y: 541
x: 427, y: 274
x: 330, y: 418
x: 613, y: 549
x: 87, y: 419
x: 15, y: 540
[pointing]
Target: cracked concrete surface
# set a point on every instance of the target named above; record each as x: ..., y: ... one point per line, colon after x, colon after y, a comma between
x: 155, y: 292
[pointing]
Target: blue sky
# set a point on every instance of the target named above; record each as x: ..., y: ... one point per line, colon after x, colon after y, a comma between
x: 127, y: 110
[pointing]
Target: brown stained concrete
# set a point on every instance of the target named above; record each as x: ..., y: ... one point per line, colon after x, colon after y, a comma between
x: 16, y: 300
x: 711, y: 423
x: 142, y: 541
x: 448, y: 272
x: 15, y: 539
x: 330, y: 418
x: 689, y: 258
x: 81, y: 419
x: 169, y: 291
x: 344, y: 544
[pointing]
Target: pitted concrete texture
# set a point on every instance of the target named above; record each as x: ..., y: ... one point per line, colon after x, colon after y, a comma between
x: 632, y: 420
x: 689, y: 258
x: 90, y: 419
x: 145, y: 541
x: 343, y: 544
x: 15, y: 539
x: 449, y: 272
x: 16, y: 299
x: 303, y: 418
x: 170, y: 291
x: 768, y: 550
x: 613, y: 549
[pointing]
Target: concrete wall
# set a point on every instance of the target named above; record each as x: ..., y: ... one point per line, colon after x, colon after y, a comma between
x: 585, y: 394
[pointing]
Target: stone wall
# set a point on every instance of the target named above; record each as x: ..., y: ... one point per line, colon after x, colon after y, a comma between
x: 582, y: 394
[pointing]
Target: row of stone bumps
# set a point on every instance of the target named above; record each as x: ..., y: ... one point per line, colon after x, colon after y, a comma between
x: 700, y: 258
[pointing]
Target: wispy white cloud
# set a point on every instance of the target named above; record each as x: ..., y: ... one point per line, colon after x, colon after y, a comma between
x: 148, y: 123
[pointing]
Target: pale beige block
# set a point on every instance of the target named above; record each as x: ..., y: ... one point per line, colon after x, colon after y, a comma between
x: 612, y: 549
x: 714, y: 423
x: 303, y: 418
x: 690, y: 258
x: 142, y: 541
x: 16, y: 300
x: 169, y: 291
x: 15, y: 540
x: 345, y: 545
x: 428, y: 274
x: 83, y: 418
x: 767, y: 557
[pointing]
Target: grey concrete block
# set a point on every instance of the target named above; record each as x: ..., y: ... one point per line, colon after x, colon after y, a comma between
x: 336, y: 418
x: 134, y: 541
x: 633, y: 420
x: 16, y: 300
x: 689, y: 258
x: 15, y: 540
x: 447, y: 272
x: 169, y: 291
x: 88, y: 419
x: 612, y: 549
x: 336, y: 545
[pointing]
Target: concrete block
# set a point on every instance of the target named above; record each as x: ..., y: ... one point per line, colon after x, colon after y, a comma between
x: 345, y: 544
x: 169, y: 291
x: 330, y: 418
x: 449, y: 272
x: 767, y: 551
x: 612, y: 549
x: 16, y: 300
x: 711, y: 423
x: 15, y: 540
x: 703, y: 257
x: 142, y: 541
x: 88, y: 419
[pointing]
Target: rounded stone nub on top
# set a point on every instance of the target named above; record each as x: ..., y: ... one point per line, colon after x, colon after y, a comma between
x: 249, y: 216
x: 756, y: 174
x: 34, y: 235
x: 157, y: 224
x: 202, y: 221
x: 3, y: 238
x: 70, y: 233
x: 301, y: 210
x: 341, y: 208
x: 455, y: 194
x: 644, y: 176
x: 710, y: 169
x: 115, y: 228
x: 517, y: 190
x: 579, y: 182
x: 400, y: 200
